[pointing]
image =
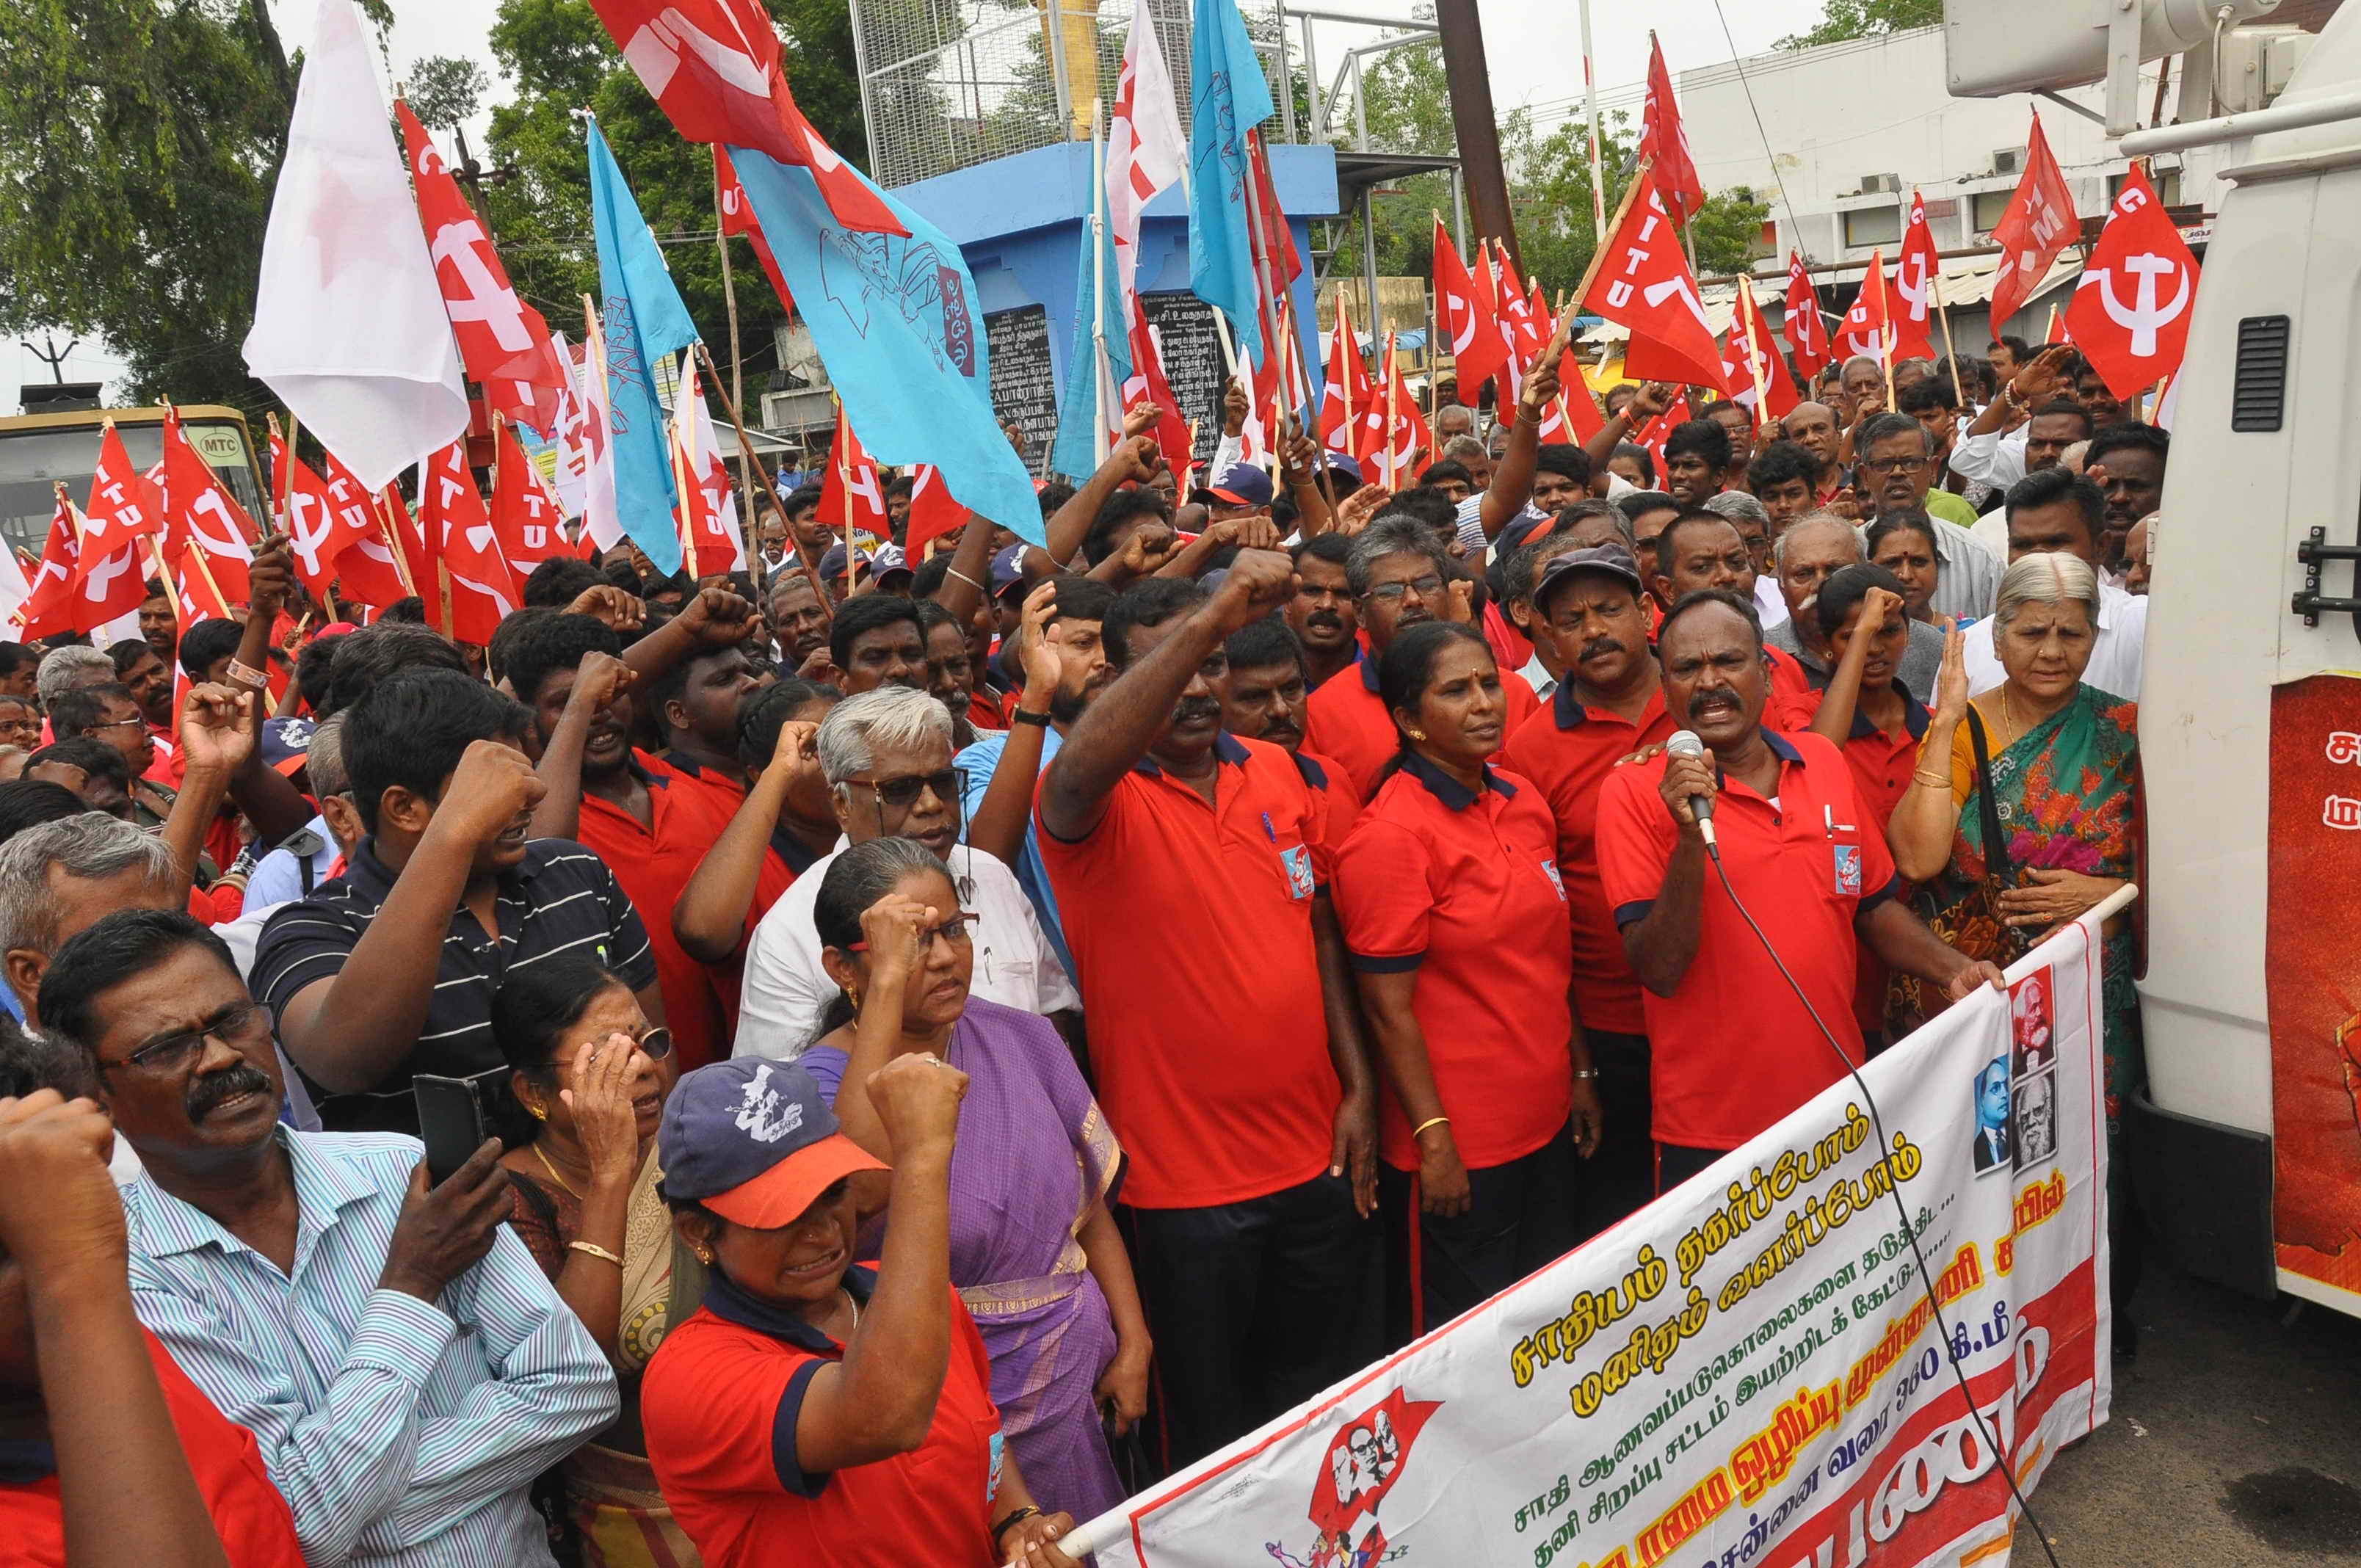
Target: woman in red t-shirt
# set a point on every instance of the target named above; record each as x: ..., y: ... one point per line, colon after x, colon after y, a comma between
x: 814, y: 1413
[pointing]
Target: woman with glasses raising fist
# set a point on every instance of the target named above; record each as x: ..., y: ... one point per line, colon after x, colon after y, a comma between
x: 589, y: 1076
x: 1034, y: 1251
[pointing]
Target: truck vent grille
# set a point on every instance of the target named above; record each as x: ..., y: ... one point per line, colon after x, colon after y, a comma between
x: 2258, y: 401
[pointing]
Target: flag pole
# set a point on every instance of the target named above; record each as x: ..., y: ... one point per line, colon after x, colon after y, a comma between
x: 1598, y: 256
x: 1591, y: 109
x: 684, y: 427
x: 1885, y: 336
x: 1950, y: 350
x: 770, y: 483
x: 1346, y: 345
x: 737, y: 375
x: 1100, y: 444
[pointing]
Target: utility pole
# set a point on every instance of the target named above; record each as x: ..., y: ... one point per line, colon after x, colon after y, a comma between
x: 50, y: 355
x: 1470, y: 84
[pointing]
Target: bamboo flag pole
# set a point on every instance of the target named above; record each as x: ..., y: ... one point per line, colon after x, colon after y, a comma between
x: 760, y: 568
x: 737, y: 373
x: 1950, y: 350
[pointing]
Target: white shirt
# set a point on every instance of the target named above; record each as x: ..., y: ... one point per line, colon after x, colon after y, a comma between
x: 1536, y: 675
x: 1769, y: 604
x: 1995, y: 458
x: 786, y: 989
x: 2115, y: 667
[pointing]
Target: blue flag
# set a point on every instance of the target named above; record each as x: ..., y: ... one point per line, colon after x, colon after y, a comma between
x: 1227, y: 98
x: 643, y: 321
x: 898, y: 323
x: 1080, y: 446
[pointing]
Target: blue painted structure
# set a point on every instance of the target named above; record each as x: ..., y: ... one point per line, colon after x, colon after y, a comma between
x: 1017, y: 220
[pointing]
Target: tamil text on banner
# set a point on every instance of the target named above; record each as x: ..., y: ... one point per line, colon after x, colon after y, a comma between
x: 1749, y: 1371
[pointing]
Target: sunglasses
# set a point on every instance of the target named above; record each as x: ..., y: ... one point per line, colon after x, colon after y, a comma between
x: 903, y: 792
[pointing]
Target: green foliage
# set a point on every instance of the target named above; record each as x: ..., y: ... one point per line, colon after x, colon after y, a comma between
x: 444, y: 90
x: 1845, y: 19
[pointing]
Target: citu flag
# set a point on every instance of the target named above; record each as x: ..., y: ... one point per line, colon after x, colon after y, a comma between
x: 2131, y: 307
x: 1466, y: 318
x: 1646, y: 287
x: 524, y: 514
x: 365, y: 570
x: 1807, y: 331
x: 1758, y: 377
x: 123, y: 509
x: 1867, y: 329
x: 1513, y: 318
x: 199, y: 510
x: 1663, y: 144
x: 1913, y: 302
x: 738, y: 217
x: 322, y: 523
x: 48, y: 610
x: 483, y: 590
x: 1657, y: 431
x: 1401, y: 435
x: 2035, y: 225
x: 852, y: 495
x: 1574, y: 416
x: 503, y: 340
x: 714, y: 68
x: 1345, y: 405
x: 2059, y: 332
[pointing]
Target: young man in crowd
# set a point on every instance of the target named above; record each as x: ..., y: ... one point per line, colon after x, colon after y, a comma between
x: 404, y: 1364
x: 1234, y: 1063
x: 1701, y: 551
x: 1265, y: 697
x: 876, y: 639
x: 2126, y: 462
x: 1321, y: 610
x: 1696, y: 455
x: 1784, y: 477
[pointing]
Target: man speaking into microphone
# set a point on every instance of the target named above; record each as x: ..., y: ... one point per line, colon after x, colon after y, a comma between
x: 1735, y: 1049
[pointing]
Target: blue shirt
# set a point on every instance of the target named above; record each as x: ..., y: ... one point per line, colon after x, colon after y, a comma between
x: 977, y: 763
x: 278, y: 876
x: 401, y: 1432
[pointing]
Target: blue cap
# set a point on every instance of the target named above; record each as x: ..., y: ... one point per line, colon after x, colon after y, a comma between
x: 1008, y: 568
x: 753, y: 1140
x: 832, y: 563
x: 1338, y: 463
x: 1242, y: 485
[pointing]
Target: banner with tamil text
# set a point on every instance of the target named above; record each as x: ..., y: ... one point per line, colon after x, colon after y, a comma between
x: 1748, y: 1371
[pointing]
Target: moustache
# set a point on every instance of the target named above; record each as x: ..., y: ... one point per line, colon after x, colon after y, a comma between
x: 1197, y: 710
x: 1599, y: 646
x: 1807, y: 605
x: 206, y: 1094
x: 1281, y: 732
x: 1706, y: 702
x: 1327, y: 617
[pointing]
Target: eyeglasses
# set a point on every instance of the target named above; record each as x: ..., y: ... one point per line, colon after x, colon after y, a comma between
x: 121, y: 724
x: 1427, y: 587
x: 903, y: 792
x: 234, y: 1026
x: 959, y: 931
x: 655, y: 1045
x: 1885, y: 465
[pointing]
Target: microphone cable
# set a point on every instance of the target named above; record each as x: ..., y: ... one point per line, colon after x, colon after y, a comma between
x: 2002, y: 1460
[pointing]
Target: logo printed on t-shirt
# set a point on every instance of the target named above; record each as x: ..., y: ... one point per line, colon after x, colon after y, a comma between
x: 1549, y: 870
x: 1298, y: 862
x: 1848, y: 868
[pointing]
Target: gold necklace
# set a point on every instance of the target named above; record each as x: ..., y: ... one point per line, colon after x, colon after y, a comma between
x: 535, y: 1146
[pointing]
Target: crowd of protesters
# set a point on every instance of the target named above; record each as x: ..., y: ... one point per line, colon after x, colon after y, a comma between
x: 954, y: 1039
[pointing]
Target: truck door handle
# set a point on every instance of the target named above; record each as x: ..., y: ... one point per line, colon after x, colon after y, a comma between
x: 2313, y: 553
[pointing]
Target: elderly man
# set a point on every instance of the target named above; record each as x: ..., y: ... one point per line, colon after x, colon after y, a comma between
x: 1231, y: 1061
x: 403, y: 1362
x: 2059, y: 512
x: 62, y: 877
x: 1898, y: 462
x: 1399, y: 577
x: 887, y: 755
x: 1735, y: 1049
x: 798, y: 620
x: 1814, y: 549
x: 1815, y: 428
x: 63, y: 669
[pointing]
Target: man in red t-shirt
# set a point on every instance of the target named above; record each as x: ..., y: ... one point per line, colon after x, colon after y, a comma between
x: 131, y: 1464
x: 1190, y: 867
x: 1735, y: 1047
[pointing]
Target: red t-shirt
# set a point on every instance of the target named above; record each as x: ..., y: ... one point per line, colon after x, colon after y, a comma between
x: 724, y: 795
x: 1567, y: 751
x: 249, y: 1515
x: 1347, y: 720
x: 651, y: 864
x: 1332, y: 791
x: 719, y: 1403
x: 1732, y: 1049
x: 1463, y: 888
x: 1190, y: 927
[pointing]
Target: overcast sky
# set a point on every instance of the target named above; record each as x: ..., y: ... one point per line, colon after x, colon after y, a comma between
x: 1534, y: 47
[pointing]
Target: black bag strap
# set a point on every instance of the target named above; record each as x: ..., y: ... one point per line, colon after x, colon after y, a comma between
x: 1995, y: 847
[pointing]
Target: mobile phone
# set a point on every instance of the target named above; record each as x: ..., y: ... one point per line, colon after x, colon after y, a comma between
x: 450, y: 1120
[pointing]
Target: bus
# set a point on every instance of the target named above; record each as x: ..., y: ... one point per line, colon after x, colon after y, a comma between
x: 39, y: 452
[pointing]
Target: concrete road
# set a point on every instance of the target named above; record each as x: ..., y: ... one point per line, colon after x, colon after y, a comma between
x: 2236, y: 1440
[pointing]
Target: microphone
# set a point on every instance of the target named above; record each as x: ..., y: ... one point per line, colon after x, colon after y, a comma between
x: 1684, y: 744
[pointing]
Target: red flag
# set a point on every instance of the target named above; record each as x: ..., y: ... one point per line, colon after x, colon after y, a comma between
x: 933, y: 511
x: 1344, y: 409
x: 365, y: 570
x: 198, y: 507
x: 1752, y: 358
x: 2059, y: 330
x: 1465, y: 320
x: 321, y: 526
x: 852, y: 497
x: 713, y: 66
x: 1807, y: 331
x: 197, y: 595
x: 1913, y: 302
x: 738, y: 217
x: 1147, y: 385
x: 524, y: 514
x: 2036, y: 225
x: 49, y: 610
x: 1647, y: 287
x: 1273, y: 237
x: 1868, y: 328
x: 1574, y: 416
x: 124, y: 508
x: 2131, y: 307
x: 483, y: 590
x: 503, y: 341
x: 1653, y: 434
x: 1400, y: 436
x: 1663, y: 144
x: 1365, y: 1460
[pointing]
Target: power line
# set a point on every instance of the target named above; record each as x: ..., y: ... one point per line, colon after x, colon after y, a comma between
x: 1794, y: 223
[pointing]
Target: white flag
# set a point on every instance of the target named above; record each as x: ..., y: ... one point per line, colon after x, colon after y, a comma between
x: 713, y: 476
x: 1146, y: 151
x: 572, y: 453
x: 348, y: 322
x: 601, y: 518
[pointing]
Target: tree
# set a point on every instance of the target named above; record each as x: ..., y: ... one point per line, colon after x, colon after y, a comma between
x: 1846, y: 20
x: 444, y: 90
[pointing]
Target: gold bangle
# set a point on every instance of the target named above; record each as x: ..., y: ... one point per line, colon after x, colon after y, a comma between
x: 1430, y: 1121
x: 1936, y: 779
x: 595, y: 1250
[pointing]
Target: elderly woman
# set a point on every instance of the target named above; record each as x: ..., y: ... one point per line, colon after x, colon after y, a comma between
x: 813, y: 1412
x: 1905, y: 546
x: 589, y: 1075
x: 1035, y: 1252
x: 1462, y: 946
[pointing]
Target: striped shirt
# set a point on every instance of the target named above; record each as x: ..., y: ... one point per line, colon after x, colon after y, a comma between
x: 561, y: 898
x: 400, y: 1432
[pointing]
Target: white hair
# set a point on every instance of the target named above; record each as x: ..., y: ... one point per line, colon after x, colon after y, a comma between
x: 1735, y: 504
x: 1795, y: 525
x: 2046, y: 578
x: 62, y: 669
x: 86, y: 847
x: 893, y: 716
